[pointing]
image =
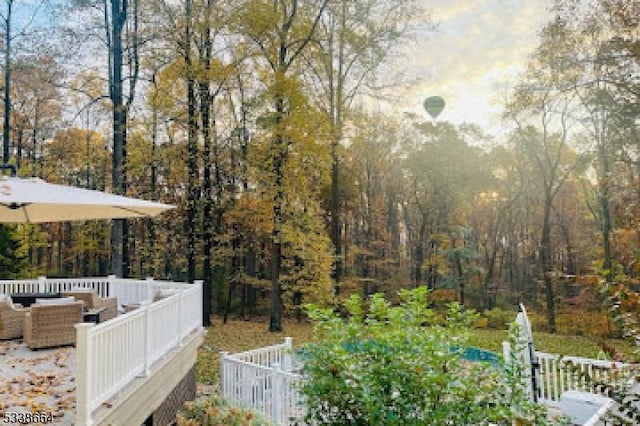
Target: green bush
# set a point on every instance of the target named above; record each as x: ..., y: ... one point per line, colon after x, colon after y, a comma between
x: 499, y: 319
x: 393, y: 366
x: 216, y: 412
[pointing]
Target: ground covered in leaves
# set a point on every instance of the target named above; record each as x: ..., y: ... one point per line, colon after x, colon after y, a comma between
x: 37, y: 381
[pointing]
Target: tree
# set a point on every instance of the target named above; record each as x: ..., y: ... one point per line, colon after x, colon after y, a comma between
x: 121, y: 26
x: 541, y: 94
x: 600, y: 52
x: 281, y: 30
x: 10, y: 35
x: 12, y: 261
x: 36, y: 106
x: 442, y: 171
x: 356, y: 37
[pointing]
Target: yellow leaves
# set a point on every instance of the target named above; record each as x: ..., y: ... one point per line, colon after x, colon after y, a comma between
x: 36, y: 382
x: 89, y: 83
x: 75, y: 148
x: 250, y: 216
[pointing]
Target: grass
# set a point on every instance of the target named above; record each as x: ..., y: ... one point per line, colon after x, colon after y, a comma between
x: 583, y: 346
x: 238, y: 336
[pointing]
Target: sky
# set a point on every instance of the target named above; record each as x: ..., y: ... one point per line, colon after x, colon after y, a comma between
x: 474, y: 57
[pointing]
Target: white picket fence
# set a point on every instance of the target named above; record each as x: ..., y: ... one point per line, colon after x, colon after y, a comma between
x: 559, y: 374
x: 262, y: 380
x: 112, y: 354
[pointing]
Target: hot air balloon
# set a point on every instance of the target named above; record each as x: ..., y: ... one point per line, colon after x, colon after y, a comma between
x: 434, y: 105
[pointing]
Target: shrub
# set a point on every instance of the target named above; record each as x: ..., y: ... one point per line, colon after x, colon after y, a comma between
x: 499, y: 319
x: 393, y: 366
x: 580, y: 322
x: 216, y: 412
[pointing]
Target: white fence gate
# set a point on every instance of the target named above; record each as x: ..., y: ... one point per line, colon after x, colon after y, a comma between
x: 263, y: 381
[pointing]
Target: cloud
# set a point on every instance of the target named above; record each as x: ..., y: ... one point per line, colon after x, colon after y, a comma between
x: 480, y: 45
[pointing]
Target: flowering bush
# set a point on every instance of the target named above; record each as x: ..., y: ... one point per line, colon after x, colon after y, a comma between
x: 392, y: 365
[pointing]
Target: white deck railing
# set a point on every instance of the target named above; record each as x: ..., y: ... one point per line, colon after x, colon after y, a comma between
x: 112, y: 354
x: 102, y: 285
x: 261, y: 380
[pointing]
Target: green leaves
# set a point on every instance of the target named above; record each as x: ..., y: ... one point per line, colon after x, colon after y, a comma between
x: 394, y: 365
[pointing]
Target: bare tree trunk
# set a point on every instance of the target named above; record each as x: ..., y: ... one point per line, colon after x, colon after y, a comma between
x: 7, y: 82
x: 118, y: 174
x: 208, y: 225
x: 192, y: 152
x: 546, y: 263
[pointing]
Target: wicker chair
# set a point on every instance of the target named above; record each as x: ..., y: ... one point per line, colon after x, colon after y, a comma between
x: 52, y: 325
x: 93, y: 301
x: 11, y: 319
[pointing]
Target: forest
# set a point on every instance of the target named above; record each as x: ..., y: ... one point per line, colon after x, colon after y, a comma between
x: 260, y: 121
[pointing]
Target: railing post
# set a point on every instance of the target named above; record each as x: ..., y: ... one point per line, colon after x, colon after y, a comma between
x: 276, y: 395
x: 111, y: 291
x: 42, y: 284
x: 224, y: 387
x: 199, y: 284
x: 287, y: 360
x: 84, y: 357
x: 181, y: 320
x: 506, y: 351
x: 149, y: 287
x: 147, y: 342
x: 200, y: 307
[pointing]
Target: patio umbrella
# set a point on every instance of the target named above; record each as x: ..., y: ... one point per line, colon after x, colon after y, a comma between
x: 33, y: 200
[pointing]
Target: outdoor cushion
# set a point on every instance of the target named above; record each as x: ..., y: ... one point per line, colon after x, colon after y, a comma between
x: 52, y: 325
x: 93, y: 301
x: 11, y: 319
x: 56, y: 301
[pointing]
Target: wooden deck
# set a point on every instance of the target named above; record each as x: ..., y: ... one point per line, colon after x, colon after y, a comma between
x: 121, y: 371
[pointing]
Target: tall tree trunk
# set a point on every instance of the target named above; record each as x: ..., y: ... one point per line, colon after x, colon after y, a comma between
x: 547, y: 265
x: 153, y: 183
x: 119, y: 261
x: 7, y: 83
x: 192, y: 153
x: 275, y: 316
x: 605, y: 210
x: 208, y: 225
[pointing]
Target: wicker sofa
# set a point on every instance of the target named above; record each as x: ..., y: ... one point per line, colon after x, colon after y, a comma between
x: 93, y: 301
x: 11, y: 319
x: 52, y: 325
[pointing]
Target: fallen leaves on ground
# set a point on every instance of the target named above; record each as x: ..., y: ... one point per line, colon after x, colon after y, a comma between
x: 40, y: 382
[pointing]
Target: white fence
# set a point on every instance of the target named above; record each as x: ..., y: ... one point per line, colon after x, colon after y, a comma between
x: 262, y: 380
x: 112, y: 354
x: 559, y: 374
x: 102, y: 285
